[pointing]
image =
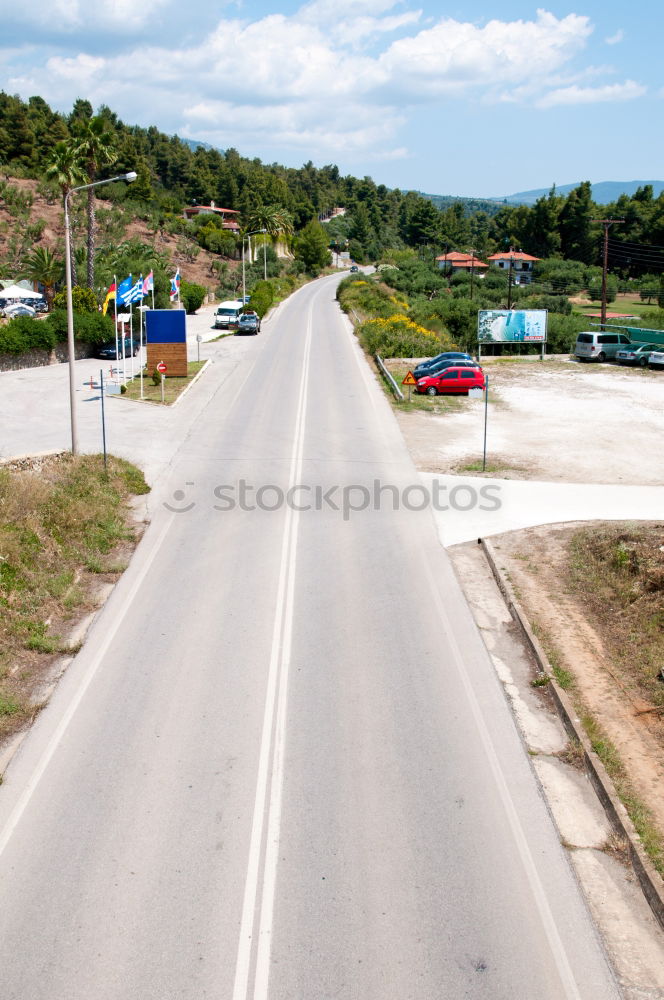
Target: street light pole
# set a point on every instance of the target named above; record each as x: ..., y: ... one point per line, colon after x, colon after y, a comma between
x: 71, y: 348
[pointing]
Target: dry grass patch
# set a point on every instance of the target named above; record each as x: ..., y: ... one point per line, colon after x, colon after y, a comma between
x: 620, y: 572
x: 65, y: 526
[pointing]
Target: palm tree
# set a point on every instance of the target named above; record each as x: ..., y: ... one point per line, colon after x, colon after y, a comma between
x: 42, y: 265
x: 64, y: 169
x: 95, y: 149
x: 274, y: 219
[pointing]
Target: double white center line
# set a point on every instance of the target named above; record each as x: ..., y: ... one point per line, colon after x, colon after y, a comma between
x: 267, y: 806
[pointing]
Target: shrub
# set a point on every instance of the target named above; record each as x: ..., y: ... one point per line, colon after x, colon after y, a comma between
x: 92, y: 328
x: 192, y: 296
x: 26, y: 334
x: 399, y: 337
x: 82, y: 299
x: 552, y: 303
x: 262, y: 296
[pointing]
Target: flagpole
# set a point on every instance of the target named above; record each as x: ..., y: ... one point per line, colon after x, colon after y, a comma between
x: 124, y: 368
x: 115, y: 313
x: 140, y: 352
x: 140, y: 278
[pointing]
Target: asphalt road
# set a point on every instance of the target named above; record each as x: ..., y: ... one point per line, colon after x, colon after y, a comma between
x: 282, y: 766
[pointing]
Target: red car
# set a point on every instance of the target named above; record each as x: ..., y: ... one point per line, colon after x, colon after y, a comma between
x: 451, y: 380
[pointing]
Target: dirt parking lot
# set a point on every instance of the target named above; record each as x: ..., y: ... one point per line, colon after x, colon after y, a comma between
x: 561, y: 421
x: 555, y: 421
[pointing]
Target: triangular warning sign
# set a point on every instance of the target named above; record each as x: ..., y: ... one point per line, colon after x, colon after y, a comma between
x: 409, y: 379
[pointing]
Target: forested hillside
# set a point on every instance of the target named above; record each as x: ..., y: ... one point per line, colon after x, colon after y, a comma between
x: 142, y: 227
x: 172, y: 175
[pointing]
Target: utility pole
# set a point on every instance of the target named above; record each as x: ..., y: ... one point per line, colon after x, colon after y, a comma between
x: 472, y: 270
x: 605, y: 263
x: 509, y: 282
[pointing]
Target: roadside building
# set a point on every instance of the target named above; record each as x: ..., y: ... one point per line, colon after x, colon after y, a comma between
x: 227, y: 215
x: 521, y: 264
x: 455, y: 261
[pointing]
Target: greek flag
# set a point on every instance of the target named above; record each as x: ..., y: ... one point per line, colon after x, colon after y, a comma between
x: 130, y: 291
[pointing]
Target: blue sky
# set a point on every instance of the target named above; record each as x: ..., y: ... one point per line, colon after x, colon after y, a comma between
x: 463, y: 99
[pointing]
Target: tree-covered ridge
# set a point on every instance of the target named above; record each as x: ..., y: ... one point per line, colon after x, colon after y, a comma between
x: 172, y: 174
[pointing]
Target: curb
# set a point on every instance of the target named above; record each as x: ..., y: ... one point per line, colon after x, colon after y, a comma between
x: 192, y: 383
x: 649, y: 879
x: 33, y: 455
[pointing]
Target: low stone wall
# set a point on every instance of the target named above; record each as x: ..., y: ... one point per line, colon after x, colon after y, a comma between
x: 38, y: 358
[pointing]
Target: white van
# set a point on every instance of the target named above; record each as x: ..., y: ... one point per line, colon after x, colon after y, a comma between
x: 228, y: 314
x: 591, y: 345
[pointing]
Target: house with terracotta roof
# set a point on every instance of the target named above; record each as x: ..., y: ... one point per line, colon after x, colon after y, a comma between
x: 227, y: 214
x: 520, y: 262
x: 460, y: 262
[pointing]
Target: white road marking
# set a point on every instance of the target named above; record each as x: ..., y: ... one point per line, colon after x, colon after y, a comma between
x: 567, y: 980
x: 54, y: 742
x: 271, y: 756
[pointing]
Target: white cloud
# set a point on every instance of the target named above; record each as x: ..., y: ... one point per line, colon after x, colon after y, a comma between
x: 626, y: 91
x: 454, y: 55
x: 616, y: 38
x: 336, y: 76
x: 67, y: 16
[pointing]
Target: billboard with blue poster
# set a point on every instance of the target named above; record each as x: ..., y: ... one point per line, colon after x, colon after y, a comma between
x: 511, y: 326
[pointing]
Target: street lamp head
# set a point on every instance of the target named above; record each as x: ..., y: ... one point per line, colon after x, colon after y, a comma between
x: 129, y: 177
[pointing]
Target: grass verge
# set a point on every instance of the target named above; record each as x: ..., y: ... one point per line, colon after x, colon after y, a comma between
x: 65, y: 527
x: 174, y: 385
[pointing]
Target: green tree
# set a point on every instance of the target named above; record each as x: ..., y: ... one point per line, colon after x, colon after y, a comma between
x: 192, y: 296
x: 43, y: 266
x: 65, y: 169
x: 594, y: 285
x: 95, y: 148
x: 83, y: 300
x: 649, y: 287
x: 311, y: 248
x: 575, y: 220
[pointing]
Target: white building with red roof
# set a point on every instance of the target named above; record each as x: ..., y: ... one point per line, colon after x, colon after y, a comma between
x: 460, y: 262
x: 520, y: 262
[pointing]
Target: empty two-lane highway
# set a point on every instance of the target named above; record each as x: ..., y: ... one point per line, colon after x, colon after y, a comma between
x: 282, y: 766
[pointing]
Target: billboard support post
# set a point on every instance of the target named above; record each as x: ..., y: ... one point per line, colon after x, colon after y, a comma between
x: 486, y: 413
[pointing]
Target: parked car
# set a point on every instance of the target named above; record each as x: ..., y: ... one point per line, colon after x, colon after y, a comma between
x: 425, y: 367
x: 109, y: 351
x: 248, y: 322
x: 656, y: 359
x: 454, y: 379
x: 446, y: 363
x: 591, y: 345
x: 17, y: 309
x: 228, y: 314
x: 635, y: 354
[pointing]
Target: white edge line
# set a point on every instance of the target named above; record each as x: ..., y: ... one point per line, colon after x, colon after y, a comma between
x: 38, y: 773
x: 567, y: 978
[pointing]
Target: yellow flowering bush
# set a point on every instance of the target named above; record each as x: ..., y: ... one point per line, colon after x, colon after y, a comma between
x: 398, y: 337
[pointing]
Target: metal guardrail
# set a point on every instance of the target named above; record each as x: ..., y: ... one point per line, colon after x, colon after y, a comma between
x: 395, y: 388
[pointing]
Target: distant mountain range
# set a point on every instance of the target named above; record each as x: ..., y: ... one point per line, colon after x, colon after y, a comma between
x: 604, y: 192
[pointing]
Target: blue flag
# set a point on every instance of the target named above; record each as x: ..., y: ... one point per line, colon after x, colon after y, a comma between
x: 123, y: 294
